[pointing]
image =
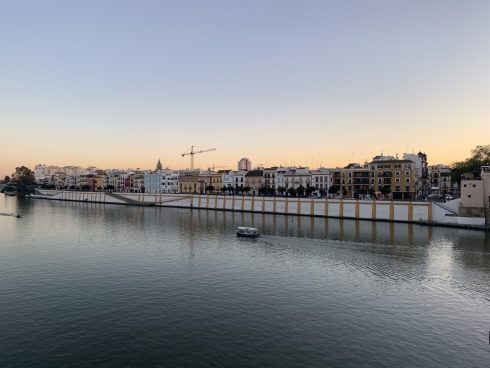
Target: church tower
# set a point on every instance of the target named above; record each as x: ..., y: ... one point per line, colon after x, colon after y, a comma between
x: 159, y: 165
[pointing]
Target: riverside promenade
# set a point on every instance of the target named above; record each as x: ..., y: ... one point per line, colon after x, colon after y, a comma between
x: 427, y: 213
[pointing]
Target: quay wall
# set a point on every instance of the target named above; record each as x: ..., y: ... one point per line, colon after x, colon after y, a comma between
x: 396, y: 211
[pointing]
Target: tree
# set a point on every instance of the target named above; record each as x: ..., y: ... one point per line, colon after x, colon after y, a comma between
x: 224, y: 189
x: 385, y: 190
x: 270, y: 191
x: 24, y: 180
x: 85, y: 187
x: 263, y: 190
x: 281, y: 190
x: 309, y: 190
x: 6, y: 179
x: 334, y: 189
x: 480, y: 156
x: 292, y: 192
x: 209, y: 188
x: 24, y: 175
x: 300, y: 191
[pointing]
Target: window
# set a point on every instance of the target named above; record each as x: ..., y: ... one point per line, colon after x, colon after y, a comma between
x: 469, y: 195
x: 464, y: 185
x: 474, y: 185
x: 397, y: 173
x: 397, y: 180
x: 407, y: 173
x: 407, y: 180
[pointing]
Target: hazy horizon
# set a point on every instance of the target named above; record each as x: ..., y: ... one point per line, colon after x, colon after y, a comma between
x: 121, y: 83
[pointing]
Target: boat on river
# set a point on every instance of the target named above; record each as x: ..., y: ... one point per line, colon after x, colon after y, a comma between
x: 11, y: 214
x: 247, y: 232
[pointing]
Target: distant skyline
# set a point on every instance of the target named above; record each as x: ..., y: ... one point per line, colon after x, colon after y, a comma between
x: 123, y: 83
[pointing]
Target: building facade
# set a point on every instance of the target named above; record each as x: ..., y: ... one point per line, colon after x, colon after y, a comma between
x: 393, y: 177
x: 254, y: 179
x: 244, y: 164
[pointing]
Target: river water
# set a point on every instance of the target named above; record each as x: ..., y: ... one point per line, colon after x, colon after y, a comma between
x: 91, y: 285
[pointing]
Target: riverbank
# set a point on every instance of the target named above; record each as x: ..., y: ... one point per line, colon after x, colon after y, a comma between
x: 424, y: 213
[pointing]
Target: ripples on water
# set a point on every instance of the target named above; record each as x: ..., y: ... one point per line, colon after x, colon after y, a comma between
x: 85, y: 285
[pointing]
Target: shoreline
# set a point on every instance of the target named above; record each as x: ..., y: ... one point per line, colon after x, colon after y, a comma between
x: 419, y: 213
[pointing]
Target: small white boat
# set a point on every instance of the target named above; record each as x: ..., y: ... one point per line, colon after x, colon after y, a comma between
x: 40, y: 196
x: 247, y: 232
x: 11, y: 214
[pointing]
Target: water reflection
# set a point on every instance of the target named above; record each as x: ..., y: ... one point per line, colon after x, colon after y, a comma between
x: 273, y: 225
x: 179, y: 278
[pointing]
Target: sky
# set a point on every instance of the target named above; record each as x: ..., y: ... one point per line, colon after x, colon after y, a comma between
x: 122, y: 83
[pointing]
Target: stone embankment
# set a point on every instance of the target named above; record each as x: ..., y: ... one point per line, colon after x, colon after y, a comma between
x: 426, y: 213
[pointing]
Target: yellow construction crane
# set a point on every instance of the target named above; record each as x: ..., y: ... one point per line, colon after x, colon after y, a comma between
x: 191, y: 153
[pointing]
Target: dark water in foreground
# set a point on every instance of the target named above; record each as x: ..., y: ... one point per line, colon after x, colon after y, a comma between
x: 86, y: 285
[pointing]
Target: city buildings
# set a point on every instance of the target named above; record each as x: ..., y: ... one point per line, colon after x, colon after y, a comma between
x: 475, y: 195
x: 385, y: 177
x: 254, y: 180
x: 440, y: 180
x: 321, y: 179
x: 352, y: 180
x: 392, y: 176
x: 244, y: 164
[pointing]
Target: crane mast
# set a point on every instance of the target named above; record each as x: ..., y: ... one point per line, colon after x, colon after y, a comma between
x: 191, y: 153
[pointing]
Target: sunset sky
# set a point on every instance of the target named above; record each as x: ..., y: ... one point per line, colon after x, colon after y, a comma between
x: 123, y: 83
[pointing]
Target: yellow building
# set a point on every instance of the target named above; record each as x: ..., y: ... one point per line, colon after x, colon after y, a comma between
x: 189, y: 182
x: 393, y: 176
x: 99, y: 182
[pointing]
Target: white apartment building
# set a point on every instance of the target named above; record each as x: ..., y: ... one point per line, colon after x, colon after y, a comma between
x: 296, y: 177
x: 72, y: 181
x: 40, y: 172
x: 321, y: 179
x: 239, y: 179
x: 280, y: 180
x: 422, y: 179
x: 153, y: 182
x: 113, y: 180
x: 170, y: 181
x: 162, y: 182
x: 227, y: 178
x: 270, y: 177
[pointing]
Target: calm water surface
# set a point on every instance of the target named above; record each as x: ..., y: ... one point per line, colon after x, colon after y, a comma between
x: 87, y: 285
